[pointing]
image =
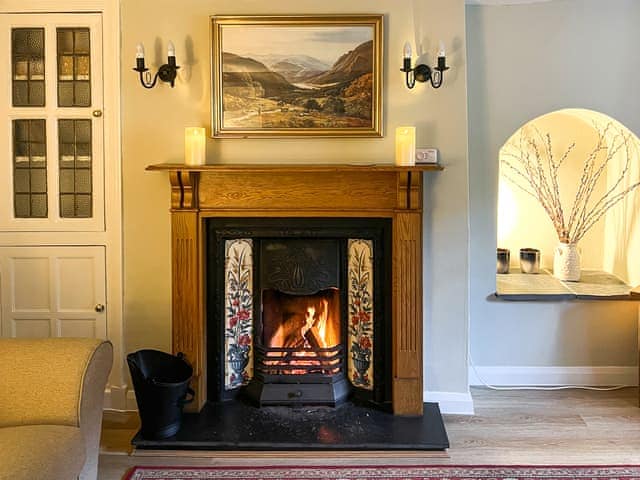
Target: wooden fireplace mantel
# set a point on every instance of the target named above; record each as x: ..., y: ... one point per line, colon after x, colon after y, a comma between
x: 383, y: 191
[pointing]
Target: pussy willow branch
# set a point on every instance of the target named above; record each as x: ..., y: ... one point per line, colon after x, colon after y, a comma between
x: 530, y: 160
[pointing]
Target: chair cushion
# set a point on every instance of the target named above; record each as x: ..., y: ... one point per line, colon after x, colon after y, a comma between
x: 41, y: 452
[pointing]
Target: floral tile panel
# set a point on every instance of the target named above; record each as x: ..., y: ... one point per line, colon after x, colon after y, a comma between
x: 361, y: 313
x: 238, y: 315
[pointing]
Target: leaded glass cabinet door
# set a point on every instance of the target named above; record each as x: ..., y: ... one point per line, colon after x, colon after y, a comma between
x: 51, y: 132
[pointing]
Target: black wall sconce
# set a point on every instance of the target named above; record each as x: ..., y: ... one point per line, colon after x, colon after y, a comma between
x: 422, y: 72
x: 166, y: 73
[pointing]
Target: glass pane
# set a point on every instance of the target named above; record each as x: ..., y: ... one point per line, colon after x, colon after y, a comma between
x: 83, y: 206
x: 21, y: 180
x: 28, y: 41
x: 39, y: 181
x: 65, y: 67
x: 67, y: 155
x: 65, y: 94
x: 81, y: 40
x: 66, y: 132
x: 83, y: 94
x: 22, y: 205
x: 21, y: 154
x: 82, y: 68
x: 39, y: 205
x: 67, y: 206
x: 20, y: 94
x: 29, y: 168
x: 83, y: 131
x: 65, y: 41
x: 83, y: 155
x: 36, y: 93
x: 21, y: 70
x: 83, y: 181
x: 38, y: 154
x: 36, y: 131
x: 66, y: 180
x: 74, y: 67
x: 21, y: 130
x: 36, y: 69
x: 27, y: 60
x: 74, y: 140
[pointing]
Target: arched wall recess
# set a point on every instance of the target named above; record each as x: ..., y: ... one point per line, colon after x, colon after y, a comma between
x: 585, y: 166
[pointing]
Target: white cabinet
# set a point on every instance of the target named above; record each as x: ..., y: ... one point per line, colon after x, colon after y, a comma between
x: 53, y: 292
x: 51, y: 123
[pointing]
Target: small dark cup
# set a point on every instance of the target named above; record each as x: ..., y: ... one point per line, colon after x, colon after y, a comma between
x: 503, y: 259
x: 530, y: 260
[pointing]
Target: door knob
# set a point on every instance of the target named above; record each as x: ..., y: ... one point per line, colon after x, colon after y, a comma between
x: 97, y: 113
x: 99, y: 308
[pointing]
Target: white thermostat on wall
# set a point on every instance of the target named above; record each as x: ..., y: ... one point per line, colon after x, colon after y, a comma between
x: 426, y: 155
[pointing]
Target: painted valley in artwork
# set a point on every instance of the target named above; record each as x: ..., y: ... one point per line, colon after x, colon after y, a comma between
x: 289, y: 77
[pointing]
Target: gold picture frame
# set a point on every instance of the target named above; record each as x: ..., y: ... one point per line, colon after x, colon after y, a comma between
x: 296, y: 76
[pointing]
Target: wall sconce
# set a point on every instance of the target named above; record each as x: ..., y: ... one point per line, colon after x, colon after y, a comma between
x: 166, y: 73
x: 422, y: 72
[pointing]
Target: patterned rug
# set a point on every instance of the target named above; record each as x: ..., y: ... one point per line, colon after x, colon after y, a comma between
x: 470, y: 472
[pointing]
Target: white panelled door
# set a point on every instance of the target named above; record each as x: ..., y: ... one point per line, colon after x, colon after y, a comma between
x: 53, y: 292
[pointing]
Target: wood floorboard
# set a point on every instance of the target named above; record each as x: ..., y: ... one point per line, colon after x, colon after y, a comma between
x: 510, y: 427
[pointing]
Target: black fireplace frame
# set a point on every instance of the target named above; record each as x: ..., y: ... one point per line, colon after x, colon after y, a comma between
x: 379, y: 230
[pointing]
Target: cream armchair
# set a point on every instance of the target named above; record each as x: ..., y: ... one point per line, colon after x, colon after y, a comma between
x: 51, y: 399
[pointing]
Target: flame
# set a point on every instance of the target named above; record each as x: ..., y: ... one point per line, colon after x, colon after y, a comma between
x: 312, y: 343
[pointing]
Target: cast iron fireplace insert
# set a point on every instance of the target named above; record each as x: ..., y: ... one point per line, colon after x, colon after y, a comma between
x: 300, y: 311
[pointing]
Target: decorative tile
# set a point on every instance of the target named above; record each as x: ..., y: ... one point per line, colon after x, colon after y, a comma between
x: 238, y: 316
x: 361, y: 313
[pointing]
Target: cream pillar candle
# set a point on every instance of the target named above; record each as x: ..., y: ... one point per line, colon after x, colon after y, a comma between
x: 406, y: 146
x: 194, y: 146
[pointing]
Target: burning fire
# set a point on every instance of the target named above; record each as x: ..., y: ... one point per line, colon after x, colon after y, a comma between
x: 307, y: 336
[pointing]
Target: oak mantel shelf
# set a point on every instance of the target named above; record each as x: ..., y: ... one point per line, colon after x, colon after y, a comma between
x: 290, y: 167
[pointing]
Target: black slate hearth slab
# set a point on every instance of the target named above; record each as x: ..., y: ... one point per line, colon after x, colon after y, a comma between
x: 238, y: 426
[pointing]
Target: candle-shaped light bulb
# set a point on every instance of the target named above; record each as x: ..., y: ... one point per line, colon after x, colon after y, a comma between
x: 442, y: 62
x: 406, y: 51
x: 140, y: 59
x: 171, y: 49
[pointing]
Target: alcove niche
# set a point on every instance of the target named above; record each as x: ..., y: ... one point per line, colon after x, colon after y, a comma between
x: 579, y: 139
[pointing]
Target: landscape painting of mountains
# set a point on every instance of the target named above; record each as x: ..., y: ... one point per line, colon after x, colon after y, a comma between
x: 297, y: 78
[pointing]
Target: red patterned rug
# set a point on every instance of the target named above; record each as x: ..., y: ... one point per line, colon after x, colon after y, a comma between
x: 470, y: 472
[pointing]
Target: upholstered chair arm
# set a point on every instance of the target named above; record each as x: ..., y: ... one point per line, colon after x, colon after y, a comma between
x: 91, y: 405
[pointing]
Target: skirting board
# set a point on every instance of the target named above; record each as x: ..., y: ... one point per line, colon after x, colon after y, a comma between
x: 449, y: 402
x: 553, y: 376
x: 116, y: 398
x: 452, y: 403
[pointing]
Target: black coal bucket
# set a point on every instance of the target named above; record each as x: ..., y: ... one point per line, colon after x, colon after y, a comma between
x: 161, y: 383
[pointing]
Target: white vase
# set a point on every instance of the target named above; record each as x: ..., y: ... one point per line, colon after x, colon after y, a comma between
x: 566, y: 262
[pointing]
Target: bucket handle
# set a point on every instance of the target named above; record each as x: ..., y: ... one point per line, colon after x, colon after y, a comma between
x: 186, y: 401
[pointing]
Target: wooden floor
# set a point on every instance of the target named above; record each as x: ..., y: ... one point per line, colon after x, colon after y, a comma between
x: 516, y: 427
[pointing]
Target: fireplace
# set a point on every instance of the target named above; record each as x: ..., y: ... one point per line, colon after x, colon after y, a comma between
x: 296, y: 311
x: 201, y: 196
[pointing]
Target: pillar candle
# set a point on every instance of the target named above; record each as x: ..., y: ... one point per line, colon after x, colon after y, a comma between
x: 406, y: 146
x: 194, y: 146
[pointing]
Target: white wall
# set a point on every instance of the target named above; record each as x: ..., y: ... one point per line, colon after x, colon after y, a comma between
x: 153, y: 129
x: 524, y: 61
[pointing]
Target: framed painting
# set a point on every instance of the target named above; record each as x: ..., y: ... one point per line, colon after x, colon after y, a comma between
x: 316, y: 76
